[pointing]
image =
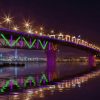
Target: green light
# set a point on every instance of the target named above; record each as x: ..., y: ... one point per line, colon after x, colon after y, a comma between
x: 8, y: 43
x: 5, y: 39
x: 7, y: 84
x: 2, y: 90
x: 29, y: 46
x: 27, y: 43
x: 14, y: 43
x: 43, y: 78
x: 28, y: 79
x: 43, y: 46
x: 16, y: 83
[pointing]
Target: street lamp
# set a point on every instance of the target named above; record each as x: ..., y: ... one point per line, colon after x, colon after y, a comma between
x: 27, y: 24
x: 36, y: 32
x: 7, y: 19
x: 52, y: 31
x: 41, y: 31
x: 41, y: 28
x: 29, y: 30
x: 16, y: 28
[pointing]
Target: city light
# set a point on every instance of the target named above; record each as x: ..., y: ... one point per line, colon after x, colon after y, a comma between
x: 52, y: 31
x: 16, y: 28
x: 41, y: 28
x: 41, y: 33
x: 36, y: 32
x: 29, y: 30
x: 7, y: 19
x: 27, y: 24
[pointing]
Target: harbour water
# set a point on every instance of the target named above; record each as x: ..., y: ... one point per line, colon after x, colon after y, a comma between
x: 73, y: 81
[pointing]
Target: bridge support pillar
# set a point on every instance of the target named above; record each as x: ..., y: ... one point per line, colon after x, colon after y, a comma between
x: 92, y: 60
x: 51, y: 54
x: 51, y: 58
x: 51, y: 62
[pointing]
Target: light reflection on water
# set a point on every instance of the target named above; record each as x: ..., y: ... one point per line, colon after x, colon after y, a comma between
x: 56, y: 72
x: 41, y: 92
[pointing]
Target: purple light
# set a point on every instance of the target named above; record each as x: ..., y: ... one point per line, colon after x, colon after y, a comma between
x: 21, y: 81
x: 91, y: 60
x: 21, y: 43
x: 44, y: 81
x: 30, y: 41
x: 37, y: 79
x: 11, y: 39
x: 11, y: 85
x: 37, y: 44
x: 30, y: 82
x: 49, y: 46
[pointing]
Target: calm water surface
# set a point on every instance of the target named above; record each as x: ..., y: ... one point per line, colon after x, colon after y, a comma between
x: 83, y: 87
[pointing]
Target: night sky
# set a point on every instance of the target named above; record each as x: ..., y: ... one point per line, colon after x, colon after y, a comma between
x: 77, y: 17
x: 73, y: 17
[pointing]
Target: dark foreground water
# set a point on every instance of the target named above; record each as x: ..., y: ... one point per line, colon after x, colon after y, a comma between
x: 75, y: 84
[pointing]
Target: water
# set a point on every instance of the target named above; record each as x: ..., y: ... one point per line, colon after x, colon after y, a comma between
x: 34, y: 68
x: 85, y: 87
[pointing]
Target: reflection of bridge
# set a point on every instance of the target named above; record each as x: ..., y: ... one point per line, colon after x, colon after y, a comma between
x: 59, y: 86
x: 13, y: 39
x: 23, y: 82
x: 20, y: 83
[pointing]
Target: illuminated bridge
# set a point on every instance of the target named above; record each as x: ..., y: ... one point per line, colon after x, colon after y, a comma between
x: 49, y: 43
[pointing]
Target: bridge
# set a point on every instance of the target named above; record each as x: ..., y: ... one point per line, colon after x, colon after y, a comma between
x: 49, y: 43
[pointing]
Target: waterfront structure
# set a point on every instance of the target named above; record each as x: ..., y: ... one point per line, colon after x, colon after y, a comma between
x: 49, y: 43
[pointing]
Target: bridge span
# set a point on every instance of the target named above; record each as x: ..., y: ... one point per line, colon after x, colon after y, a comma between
x: 49, y: 43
